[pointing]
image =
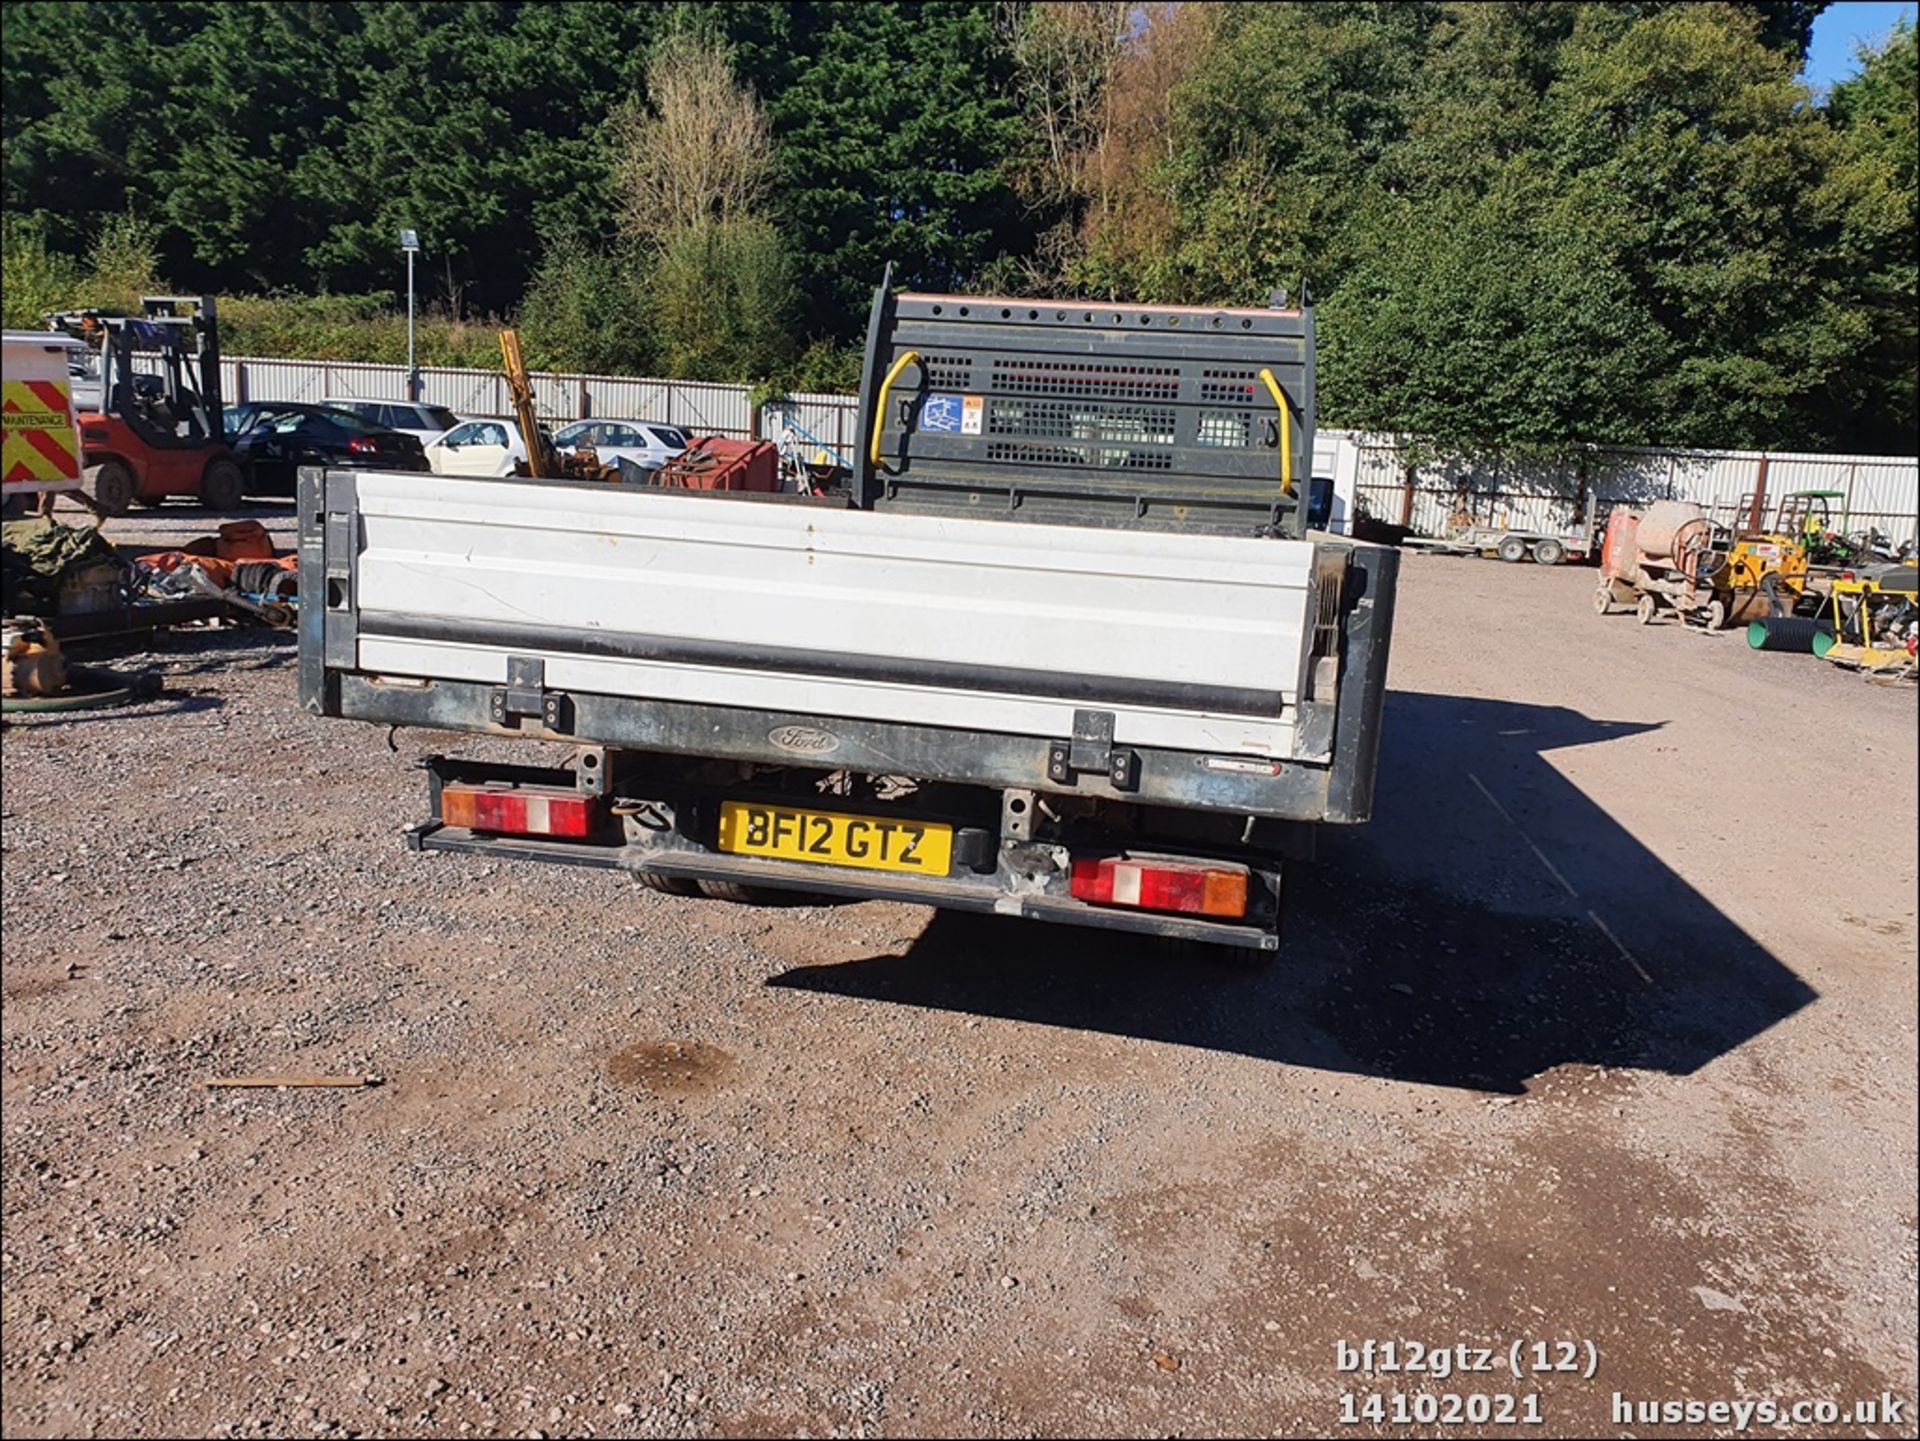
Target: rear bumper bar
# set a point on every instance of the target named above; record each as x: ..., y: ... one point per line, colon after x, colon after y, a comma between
x: 952, y: 893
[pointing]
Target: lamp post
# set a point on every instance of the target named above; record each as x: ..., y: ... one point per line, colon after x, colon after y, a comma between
x: 410, y: 242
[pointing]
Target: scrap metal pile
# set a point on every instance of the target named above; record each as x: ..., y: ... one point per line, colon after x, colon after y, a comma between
x: 63, y: 583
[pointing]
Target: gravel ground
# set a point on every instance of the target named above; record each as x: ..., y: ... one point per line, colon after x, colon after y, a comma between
x: 1604, y: 1030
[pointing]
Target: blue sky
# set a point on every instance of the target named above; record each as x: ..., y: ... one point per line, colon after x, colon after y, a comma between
x: 1842, y: 26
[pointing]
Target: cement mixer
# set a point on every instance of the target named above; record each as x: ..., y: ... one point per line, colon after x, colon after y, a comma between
x: 1660, y: 558
x: 1670, y: 557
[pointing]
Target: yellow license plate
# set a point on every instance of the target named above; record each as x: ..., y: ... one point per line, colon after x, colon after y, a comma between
x: 831, y: 839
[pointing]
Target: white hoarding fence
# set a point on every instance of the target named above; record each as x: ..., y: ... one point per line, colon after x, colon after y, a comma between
x: 702, y: 407
x: 1430, y: 496
x: 1870, y: 491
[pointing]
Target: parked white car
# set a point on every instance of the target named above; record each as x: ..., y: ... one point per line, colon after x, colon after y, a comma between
x: 495, y: 447
x: 478, y: 447
x: 423, y: 422
x: 641, y: 441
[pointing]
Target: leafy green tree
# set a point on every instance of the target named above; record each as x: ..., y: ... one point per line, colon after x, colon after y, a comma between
x: 1262, y: 190
x: 584, y: 310
x: 1482, y: 326
x: 894, y: 125
x: 38, y: 279
x: 480, y: 125
x: 719, y: 299
x: 1685, y: 147
x: 693, y: 169
x: 1879, y: 118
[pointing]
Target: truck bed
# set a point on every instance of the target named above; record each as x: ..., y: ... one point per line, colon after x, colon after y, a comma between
x: 1191, y: 641
x: 725, y: 611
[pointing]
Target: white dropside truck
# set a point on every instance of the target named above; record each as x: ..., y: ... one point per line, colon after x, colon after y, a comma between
x: 1066, y: 650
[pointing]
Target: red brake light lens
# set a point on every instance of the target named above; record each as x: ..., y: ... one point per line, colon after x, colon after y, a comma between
x: 519, y: 810
x: 363, y: 445
x: 1161, y: 883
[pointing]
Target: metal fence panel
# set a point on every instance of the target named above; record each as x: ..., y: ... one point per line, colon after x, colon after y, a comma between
x: 618, y: 399
x: 1881, y: 491
x: 465, y: 392
x: 297, y: 380
x: 819, y: 422
x: 346, y: 381
x: 710, y: 409
x: 556, y: 397
x: 700, y: 406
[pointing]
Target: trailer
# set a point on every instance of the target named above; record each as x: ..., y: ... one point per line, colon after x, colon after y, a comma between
x: 1517, y: 543
x: 1064, y: 650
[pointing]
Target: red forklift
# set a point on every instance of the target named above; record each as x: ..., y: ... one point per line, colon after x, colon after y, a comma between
x: 155, y: 428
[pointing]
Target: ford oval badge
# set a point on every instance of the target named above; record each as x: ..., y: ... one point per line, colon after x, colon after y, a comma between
x: 805, y: 740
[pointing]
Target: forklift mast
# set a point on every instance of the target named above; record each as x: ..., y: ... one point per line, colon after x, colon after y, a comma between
x: 181, y: 334
x: 200, y: 311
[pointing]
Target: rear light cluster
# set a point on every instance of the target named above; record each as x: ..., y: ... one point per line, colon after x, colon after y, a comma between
x: 364, y: 445
x: 519, y: 810
x: 1161, y: 883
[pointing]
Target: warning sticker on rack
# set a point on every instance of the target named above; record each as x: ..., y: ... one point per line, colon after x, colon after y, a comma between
x: 941, y: 413
x: 945, y: 413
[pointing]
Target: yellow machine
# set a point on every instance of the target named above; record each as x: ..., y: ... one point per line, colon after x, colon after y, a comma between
x: 1759, y: 576
x: 543, y: 461
x: 1876, y: 620
x: 1757, y: 572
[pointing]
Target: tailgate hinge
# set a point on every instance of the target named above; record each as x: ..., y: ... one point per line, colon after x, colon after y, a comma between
x: 526, y: 695
x: 1092, y: 749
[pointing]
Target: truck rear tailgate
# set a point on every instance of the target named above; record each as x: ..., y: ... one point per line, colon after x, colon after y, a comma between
x: 1192, y: 641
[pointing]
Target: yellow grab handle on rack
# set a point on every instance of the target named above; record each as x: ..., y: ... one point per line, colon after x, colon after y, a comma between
x: 1286, y: 431
x: 907, y: 357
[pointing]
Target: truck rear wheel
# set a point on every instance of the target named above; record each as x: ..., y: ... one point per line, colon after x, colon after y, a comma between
x: 669, y: 885
x: 1549, y: 552
x: 740, y: 893
x: 223, y: 486
x: 1513, y: 548
x: 111, y: 483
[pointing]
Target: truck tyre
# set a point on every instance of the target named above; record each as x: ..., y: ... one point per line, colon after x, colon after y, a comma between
x: 112, y: 485
x: 738, y: 892
x: 1549, y: 552
x: 223, y: 486
x: 1513, y: 548
x: 669, y: 885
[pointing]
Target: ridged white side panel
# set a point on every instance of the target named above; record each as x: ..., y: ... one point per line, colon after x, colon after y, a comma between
x: 766, y: 576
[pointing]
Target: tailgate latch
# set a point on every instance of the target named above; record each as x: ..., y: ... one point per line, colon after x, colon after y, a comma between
x: 1092, y: 749
x: 525, y: 695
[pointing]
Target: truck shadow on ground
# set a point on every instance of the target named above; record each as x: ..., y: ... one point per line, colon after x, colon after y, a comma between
x: 1492, y: 922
